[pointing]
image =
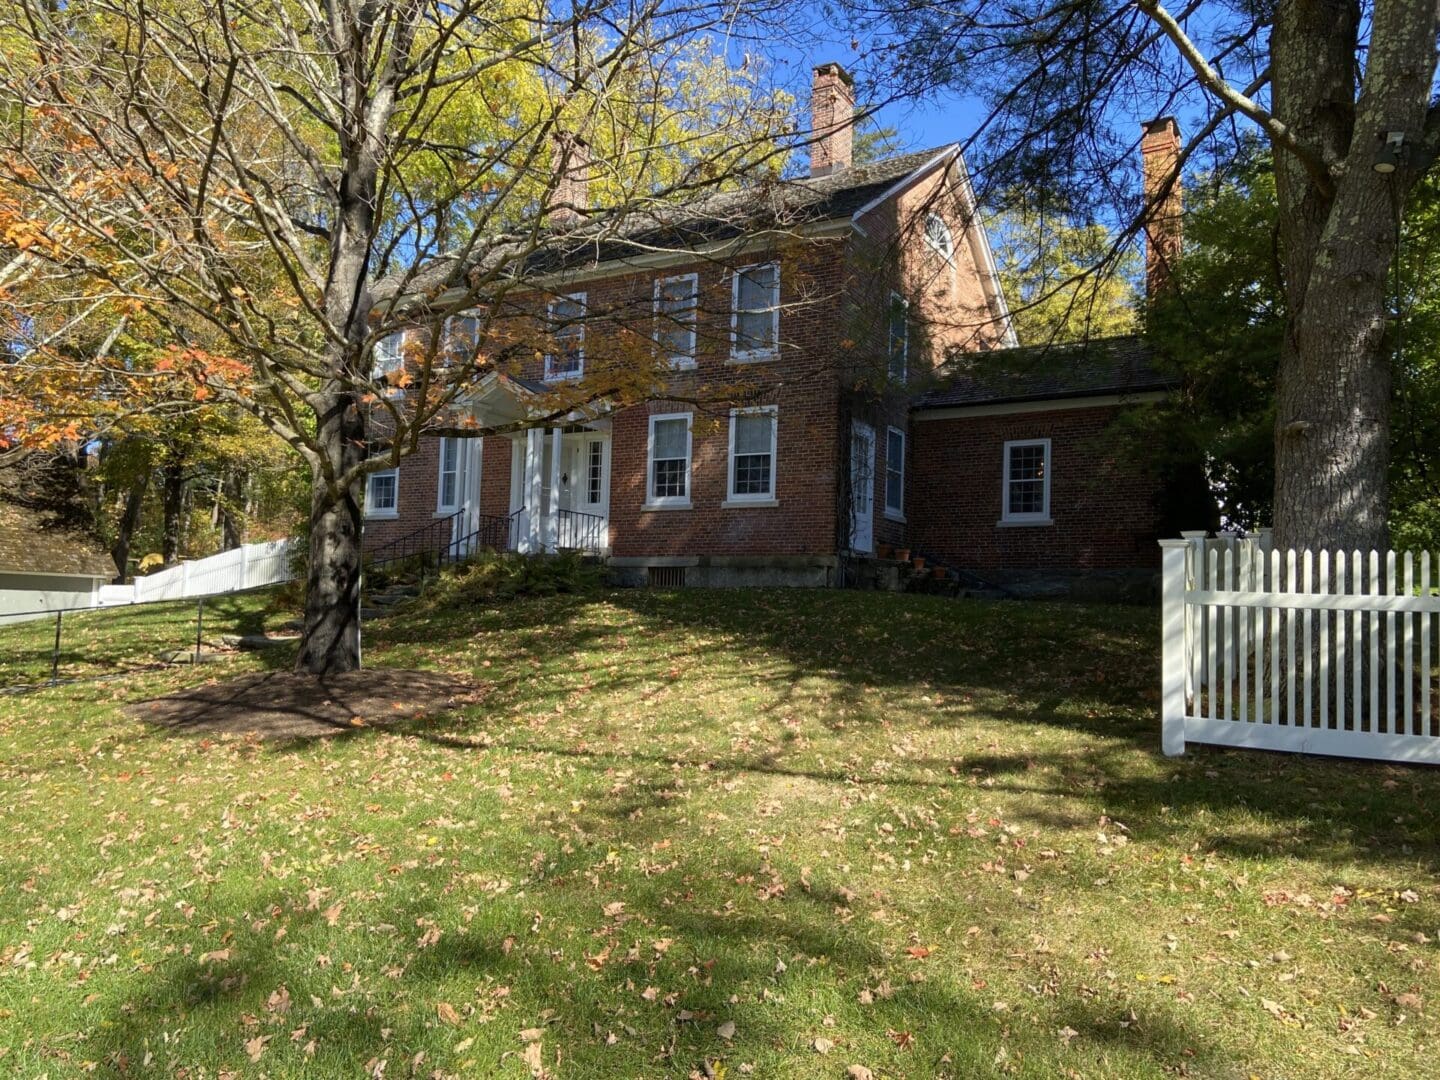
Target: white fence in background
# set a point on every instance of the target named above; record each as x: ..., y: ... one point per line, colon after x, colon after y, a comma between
x: 246, y: 567
x: 1314, y: 652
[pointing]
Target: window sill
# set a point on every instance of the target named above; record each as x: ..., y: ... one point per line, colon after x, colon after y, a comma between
x: 381, y: 515
x: 569, y: 376
x: 891, y: 515
x: 446, y: 513
x: 682, y: 363
x: 1023, y: 523
x: 747, y: 504
x: 763, y: 357
x: 646, y: 507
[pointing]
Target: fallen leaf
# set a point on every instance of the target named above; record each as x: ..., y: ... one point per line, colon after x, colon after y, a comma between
x: 823, y: 1045
x: 447, y: 1012
x: 726, y: 1030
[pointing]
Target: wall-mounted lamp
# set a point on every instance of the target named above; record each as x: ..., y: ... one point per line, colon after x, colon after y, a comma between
x: 1392, y: 154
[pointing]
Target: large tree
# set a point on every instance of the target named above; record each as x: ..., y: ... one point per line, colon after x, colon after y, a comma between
x: 244, y: 171
x: 1325, y: 82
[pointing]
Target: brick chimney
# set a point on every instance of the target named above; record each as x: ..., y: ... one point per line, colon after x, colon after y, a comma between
x: 832, y: 119
x: 1160, y: 151
x: 572, y: 184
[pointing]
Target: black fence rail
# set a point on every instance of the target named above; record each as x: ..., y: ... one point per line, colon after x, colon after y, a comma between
x: 423, y: 543
x: 435, y: 544
x: 578, y: 531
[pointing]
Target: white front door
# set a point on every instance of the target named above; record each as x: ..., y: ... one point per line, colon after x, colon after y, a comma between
x: 862, y: 487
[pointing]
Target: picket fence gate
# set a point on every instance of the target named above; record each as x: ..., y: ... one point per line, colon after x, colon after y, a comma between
x: 248, y: 566
x: 1312, y: 652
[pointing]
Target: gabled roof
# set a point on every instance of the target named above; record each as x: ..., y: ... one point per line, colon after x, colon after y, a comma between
x: 770, y: 205
x: 1100, y: 367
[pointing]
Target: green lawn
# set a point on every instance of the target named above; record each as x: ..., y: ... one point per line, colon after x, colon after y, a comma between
x: 764, y: 833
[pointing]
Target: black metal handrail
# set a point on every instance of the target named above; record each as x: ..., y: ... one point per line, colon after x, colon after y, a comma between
x: 496, y: 532
x: 424, y: 541
x: 579, y: 531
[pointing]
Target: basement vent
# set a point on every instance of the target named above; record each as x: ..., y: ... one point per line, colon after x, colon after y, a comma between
x: 667, y: 577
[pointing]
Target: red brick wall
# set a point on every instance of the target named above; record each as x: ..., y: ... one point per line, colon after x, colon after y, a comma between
x: 1104, y: 513
x: 419, y: 477
x: 803, y: 383
x: 495, y: 475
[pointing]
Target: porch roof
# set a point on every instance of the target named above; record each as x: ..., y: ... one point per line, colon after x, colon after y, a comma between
x: 499, y: 400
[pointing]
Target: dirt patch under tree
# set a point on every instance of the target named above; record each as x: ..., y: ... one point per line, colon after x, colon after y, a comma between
x: 287, y: 705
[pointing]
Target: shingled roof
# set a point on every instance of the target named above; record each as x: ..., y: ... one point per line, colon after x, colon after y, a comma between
x: 778, y: 204
x: 1096, y: 368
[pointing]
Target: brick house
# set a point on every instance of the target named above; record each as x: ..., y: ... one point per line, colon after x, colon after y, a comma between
x: 829, y: 305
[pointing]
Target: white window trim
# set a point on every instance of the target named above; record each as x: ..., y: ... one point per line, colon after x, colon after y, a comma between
x: 380, y: 349
x: 770, y: 498
x: 897, y: 513
x: 904, y: 377
x: 390, y: 513
x: 685, y: 361
x: 753, y: 356
x: 669, y: 502
x: 554, y: 376
x: 948, y: 256
x: 441, y: 507
x: 1043, y: 517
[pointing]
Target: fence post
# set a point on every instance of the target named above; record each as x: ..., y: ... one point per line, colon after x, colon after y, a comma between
x: 199, y: 626
x: 55, y: 656
x: 244, y: 567
x: 1172, y: 646
x: 1194, y: 625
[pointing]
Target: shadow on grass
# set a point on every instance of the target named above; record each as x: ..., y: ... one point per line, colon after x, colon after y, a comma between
x: 1086, y: 670
x: 717, y: 965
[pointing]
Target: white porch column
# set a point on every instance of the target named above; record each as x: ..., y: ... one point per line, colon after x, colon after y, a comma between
x: 552, y: 512
x: 534, y: 512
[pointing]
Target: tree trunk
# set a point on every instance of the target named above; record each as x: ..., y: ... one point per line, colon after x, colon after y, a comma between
x: 331, y: 640
x: 129, y: 518
x: 1332, y: 419
x: 1339, y: 221
x: 232, y: 508
x: 172, y: 498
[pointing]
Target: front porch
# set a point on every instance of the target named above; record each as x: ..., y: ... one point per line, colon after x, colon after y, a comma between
x: 557, y: 477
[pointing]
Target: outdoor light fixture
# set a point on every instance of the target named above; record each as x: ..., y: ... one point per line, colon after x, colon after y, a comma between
x: 1392, y: 154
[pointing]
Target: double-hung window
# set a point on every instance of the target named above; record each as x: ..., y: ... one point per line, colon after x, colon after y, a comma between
x: 389, y: 358
x: 755, y: 304
x: 447, y: 498
x: 382, y: 494
x: 567, y: 332
x: 895, y: 473
x: 668, y: 483
x: 459, y: 343
x: 899, y: 338
x: 1027, y: 482
x: 752, y: 455
x: 676, y: 300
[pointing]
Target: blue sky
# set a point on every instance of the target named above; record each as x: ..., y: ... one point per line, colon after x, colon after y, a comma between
x: 940, y: 118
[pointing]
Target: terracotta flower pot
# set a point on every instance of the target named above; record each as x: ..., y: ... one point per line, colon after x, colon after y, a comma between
x: 937, y: 572
x: 884, y: 551
x: 918, y: 562
x: 903, y: 554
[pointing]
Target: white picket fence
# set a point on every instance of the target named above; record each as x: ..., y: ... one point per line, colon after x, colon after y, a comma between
x: 246, y: 567
x: 1319, y: 653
